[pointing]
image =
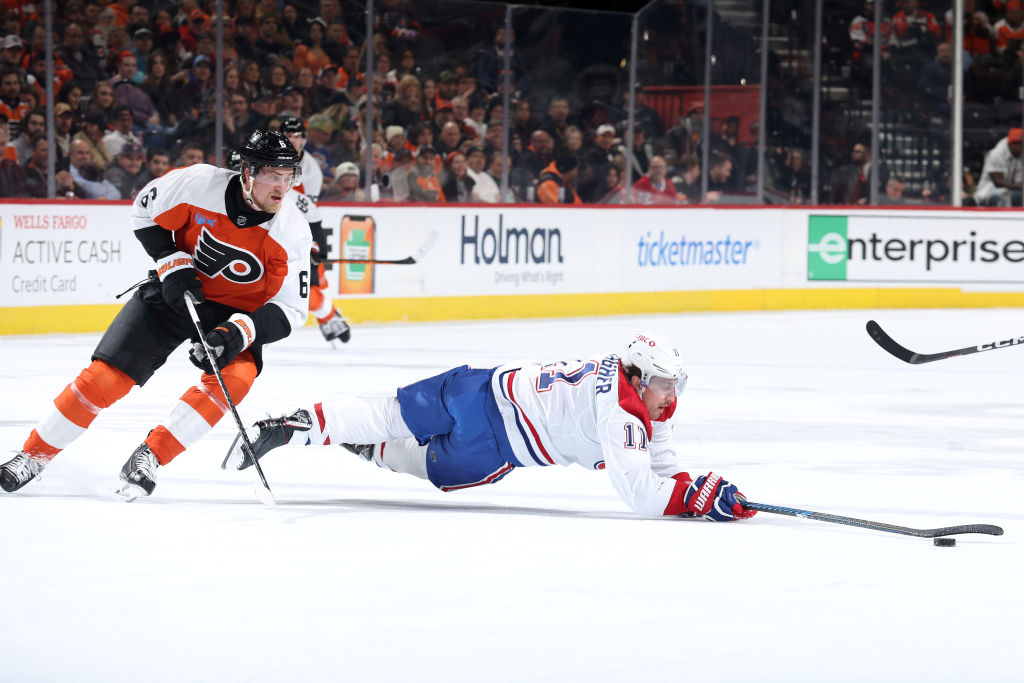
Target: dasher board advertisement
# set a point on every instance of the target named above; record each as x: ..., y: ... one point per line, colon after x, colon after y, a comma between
x: 67, y: 253
x: 952, y: 249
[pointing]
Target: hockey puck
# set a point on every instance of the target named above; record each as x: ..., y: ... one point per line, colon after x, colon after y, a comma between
x: 944, y: 542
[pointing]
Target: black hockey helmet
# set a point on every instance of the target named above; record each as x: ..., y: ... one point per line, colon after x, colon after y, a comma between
x: 268, y: 148
x: 234, y: 161
x: 292, y: 124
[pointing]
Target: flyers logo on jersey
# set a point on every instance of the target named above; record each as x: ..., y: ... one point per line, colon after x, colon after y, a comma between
x: 215, y: 258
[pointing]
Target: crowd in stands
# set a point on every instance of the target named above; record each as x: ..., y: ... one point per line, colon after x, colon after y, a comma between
x: 135, y: 95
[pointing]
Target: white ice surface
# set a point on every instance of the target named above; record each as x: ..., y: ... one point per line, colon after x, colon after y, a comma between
x: 365, y: 575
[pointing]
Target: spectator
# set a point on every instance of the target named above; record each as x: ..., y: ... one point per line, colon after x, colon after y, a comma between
x: 318, y: 134
x: 1009, y: 31
x: 485, y: 188
x: 345, y: 187
x: 640, y: 153
x: 491, y: 63
x: 407, y: 109
x: 243, y: 35
x: 539, y: 154
x: 451, y: 136
x: 349, y: 146
x: 142, y: 46
x: 10, y: 99
x: 127, y: 93
x: 81, y: 57
x: 93, y: 127
x: 685, y: 138
x: 558, y: 119
x: 936, y: 78
x: 121, y: 131
x: 689, y: 188
x: 296, y: 27
x: 88, y: 177
x: 7, y: 150
x: 198, y: 22
x: 268, y: 45
x: 292, y: 103
x: 914, y: 29
x: 458, y: 184
x: 719, y: 172
x: 311, y: 53
x: 103, y: 101
x: 250, y: 79
x: 424, y: 185
x: 71, y: 94
x: 158, y: 161
x: 1001, y: 175
x: 595, y: 162
x: 474, y: 122
x: 13, y: 178
x: 36, y: 177
x: 643, y: 117
x: 557, y: 181
x: 349, y: 75
x: 977, y: 32
x: 852, y: 184
x: 62, y: 118
x: 129, y: 173
x: 616, y: 192
x: 894, y: 189
x: 191, y: 154
x: 654, y: 187
x: 32, y: 127
x: 522, y: 119
x: 796, y: 177
x: 429, y: 99
x: 398, y: 179
x: 157, y: 85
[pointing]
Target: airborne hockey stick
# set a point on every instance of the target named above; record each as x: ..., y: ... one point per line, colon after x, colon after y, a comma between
x: 263, y: 493
x: 990, y: 529
x: 413, y: 258
x: 908, y: 356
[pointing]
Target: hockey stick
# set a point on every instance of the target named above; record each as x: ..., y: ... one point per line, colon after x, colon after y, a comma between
x: 908, y: 356
x: 415, y: 257
x: 990, y: 529
x: 263, y: 493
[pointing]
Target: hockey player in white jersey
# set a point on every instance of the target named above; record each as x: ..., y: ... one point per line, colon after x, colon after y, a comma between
x: 467, y: 427
x: 306, y: 196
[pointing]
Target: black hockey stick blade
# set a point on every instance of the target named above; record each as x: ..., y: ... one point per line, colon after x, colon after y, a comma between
x: 989, y: 529
x: 908, y: 356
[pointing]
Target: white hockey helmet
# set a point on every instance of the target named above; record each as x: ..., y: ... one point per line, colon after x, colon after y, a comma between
x: 653, y: 354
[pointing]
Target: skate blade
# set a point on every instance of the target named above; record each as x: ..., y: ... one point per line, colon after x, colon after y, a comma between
x: 130, y: 492
x: 235, y: 459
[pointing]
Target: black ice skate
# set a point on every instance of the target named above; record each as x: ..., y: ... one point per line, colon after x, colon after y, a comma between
x: 336, y: 328
x: 363, y: 450
x: 138, y: 474
x: 20, y: 470
x: 265, y: 436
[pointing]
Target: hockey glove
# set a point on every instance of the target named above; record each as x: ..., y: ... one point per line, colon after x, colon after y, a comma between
x: 226, y: 341
x: 712, y: 497
x: 177, y: 275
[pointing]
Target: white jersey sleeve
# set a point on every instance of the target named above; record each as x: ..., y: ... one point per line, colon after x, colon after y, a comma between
x: 307, y: 193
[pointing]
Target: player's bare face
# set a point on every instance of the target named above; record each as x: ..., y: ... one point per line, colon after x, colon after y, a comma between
x: 269, y: 187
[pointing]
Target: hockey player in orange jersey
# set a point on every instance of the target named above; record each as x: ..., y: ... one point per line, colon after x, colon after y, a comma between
x: 233, y: 242
x: 332, y: 324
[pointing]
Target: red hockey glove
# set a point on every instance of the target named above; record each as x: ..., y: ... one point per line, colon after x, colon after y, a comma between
x: 712, y: 497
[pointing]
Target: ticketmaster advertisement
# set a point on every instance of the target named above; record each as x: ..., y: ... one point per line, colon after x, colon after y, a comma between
x: 521, y: 250
x: 67, y: 253
x: 968, y: 248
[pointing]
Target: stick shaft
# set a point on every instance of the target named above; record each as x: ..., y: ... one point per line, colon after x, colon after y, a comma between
x: 223, y: 387
x: 990, y: 529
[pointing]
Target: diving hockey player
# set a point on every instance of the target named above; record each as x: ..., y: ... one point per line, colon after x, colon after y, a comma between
x: 232, y: 242
x: 467, y: 427
x: 307, y: 194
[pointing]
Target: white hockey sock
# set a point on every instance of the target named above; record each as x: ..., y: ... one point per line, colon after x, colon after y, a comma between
x: 355, y: 420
